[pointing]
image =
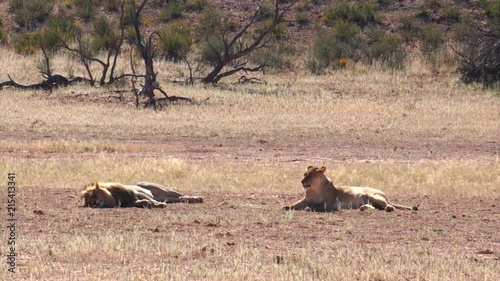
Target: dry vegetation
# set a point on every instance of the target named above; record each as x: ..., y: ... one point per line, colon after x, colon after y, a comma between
x: 424, y: 138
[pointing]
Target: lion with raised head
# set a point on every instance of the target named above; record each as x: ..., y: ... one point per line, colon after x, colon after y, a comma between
x: 323, y: 196
x: 142, y: 195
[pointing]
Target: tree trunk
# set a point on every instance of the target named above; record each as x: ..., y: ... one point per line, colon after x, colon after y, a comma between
x: 210, y: 78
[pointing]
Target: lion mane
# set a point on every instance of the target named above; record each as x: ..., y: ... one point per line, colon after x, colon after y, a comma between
x: 142, y: 195
x: 323, y: 196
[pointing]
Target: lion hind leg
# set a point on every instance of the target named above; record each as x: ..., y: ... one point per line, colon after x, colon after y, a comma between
x: 380, y: 202
x: 159, y: 190
x: 146, y: 203
x: 402, y: 207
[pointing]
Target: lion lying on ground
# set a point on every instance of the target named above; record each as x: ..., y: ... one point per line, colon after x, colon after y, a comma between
x: 142, y: 195
x: 323, y: 196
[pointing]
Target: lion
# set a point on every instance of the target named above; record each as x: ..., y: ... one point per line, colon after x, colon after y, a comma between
x: 142, y: 195
x: 323, y: 196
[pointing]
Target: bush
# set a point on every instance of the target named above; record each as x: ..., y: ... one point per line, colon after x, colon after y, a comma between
x: 302, y: 13
x: 384, y: 48
x: 432, y: 39
x: 24, y: 44
x: 451, y: 13
x: 210, y: 28
x: 4, y: 38
x: 340, y: 42
x: 479, y: 53
x: 360, y: 12
x: 409, y: 29
x: 176, y: 41
x: 113, y: 5
x: 85, y: 8
x: 196, y: 5
x: 209, y: 51
x: 278, y: 57
x: 174, y: 10
x: 65, y: 25
x: 492, y: 8
x: 104, y: 36
x: 29, y: 13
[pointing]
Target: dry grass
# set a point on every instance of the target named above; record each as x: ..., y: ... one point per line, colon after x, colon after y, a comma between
x: 447, y: 177
x: 356, y: 101
x: 171, y: 257
x: 245, y: 150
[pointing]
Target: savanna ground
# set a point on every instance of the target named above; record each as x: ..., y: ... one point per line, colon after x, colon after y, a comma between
x: 422, y: 137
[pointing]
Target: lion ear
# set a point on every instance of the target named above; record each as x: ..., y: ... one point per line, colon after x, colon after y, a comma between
x: 97, y: 186
x: 322, y: 169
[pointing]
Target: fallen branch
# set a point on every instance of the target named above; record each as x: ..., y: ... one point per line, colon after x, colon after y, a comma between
x: 237, y: 68
x: 50, y: 83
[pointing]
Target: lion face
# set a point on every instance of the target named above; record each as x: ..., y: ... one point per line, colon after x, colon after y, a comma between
x: 93, y: 196
x: 312, y: 173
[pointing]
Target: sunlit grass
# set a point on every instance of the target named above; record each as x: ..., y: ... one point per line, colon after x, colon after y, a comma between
x: 447, y: 177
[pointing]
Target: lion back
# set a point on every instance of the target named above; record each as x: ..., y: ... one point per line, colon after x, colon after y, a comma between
x: 123, y: 196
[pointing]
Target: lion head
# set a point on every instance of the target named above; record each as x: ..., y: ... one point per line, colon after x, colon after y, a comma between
x: 311, y: 175
x: 95, y: 196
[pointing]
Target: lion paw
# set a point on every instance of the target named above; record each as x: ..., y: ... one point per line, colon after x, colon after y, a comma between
x: 366, y: 207
x: 191, y: 199
x: 389, y: 208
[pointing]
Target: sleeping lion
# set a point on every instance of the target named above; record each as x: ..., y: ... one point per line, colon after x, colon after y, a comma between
x: 323, y: 196
x: 142, y: 195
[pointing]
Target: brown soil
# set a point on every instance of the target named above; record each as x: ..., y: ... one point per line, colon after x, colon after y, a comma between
x: 470, y: 224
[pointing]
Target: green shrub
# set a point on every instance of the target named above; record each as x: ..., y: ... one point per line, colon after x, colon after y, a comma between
x: 302, y: 17
x: 302, y: 13
x: 4, y: 38
x: 209, y: 30
x: 24, y: 44
x: 279, y: 56
x: 174, y: 9
x: 65, y: 26
x: 86, y: 8
x: 210, y: 22
x: 127, y: 16
x: 385, y: 48
x: 360, y: 12
x: 113, y: 5
x: 29, y: 13
x: 432, y: 39
x: 340, y: 42
x: 410, y: 29
x: 451, y: 13
x: 492, y: 8
x: 104, y: 36
x: 129, y: 34
x: 176, y: 40
x: 196, y: 5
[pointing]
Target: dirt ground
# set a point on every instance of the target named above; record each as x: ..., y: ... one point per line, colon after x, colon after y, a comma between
x: 449, y: 226
x: 468, y: 225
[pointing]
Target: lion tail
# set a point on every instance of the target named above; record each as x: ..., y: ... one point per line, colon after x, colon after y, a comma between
x: 191, y: 199
x: 403, y: 207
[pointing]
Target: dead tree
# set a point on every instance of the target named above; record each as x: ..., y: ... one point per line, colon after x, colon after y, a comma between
x: 236, y: 45
x: 147, y: 52
x: 480, y: 56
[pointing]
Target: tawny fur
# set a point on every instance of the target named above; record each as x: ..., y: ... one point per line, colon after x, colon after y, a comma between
x: 323, y: 196
x: 143, y: 195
